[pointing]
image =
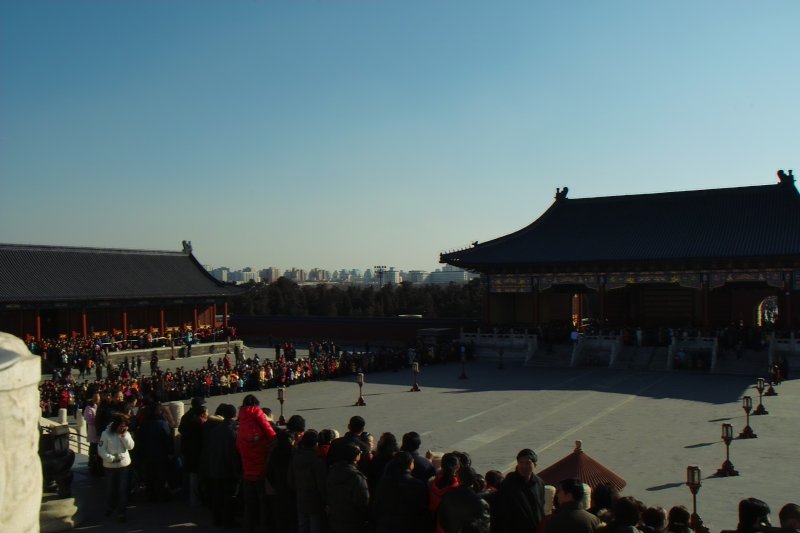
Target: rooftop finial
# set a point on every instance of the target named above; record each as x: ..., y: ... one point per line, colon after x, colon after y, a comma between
x: 578, y: 445
x: 561, y: 194
x: 786, y: 178
x: 187, y: 247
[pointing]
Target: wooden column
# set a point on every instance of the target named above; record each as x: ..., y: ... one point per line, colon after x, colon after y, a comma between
x: 38, y: 325
x: 214, y: 315
x: 225, y: 315
x: 161, y: 320
x: 125, y: 323
x: 536, y: 305
x: 787, y: 291
x: 706, y: 312
x: 83, y: 322
x: 601, y: 296
x: 194, y: 318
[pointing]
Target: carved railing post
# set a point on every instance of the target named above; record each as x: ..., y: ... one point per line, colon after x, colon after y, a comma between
x: 20, y: 467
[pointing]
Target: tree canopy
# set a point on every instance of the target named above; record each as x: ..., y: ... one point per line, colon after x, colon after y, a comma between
x: 285, y: 297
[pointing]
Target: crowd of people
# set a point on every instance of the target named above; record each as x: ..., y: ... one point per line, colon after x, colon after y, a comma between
x: 252, y: 473
x: 229, y: 374
x: 84, y: 353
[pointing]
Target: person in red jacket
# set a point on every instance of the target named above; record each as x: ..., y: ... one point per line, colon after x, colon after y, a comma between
x: 445, y: 481
x: 253, y: 441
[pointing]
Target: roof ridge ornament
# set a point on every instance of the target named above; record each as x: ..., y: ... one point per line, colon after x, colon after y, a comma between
x: 561, y: 194
x: 786, y: 179
x: 187, y: 247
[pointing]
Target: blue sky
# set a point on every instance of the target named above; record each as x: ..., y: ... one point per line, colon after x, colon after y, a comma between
x: 347, y: 133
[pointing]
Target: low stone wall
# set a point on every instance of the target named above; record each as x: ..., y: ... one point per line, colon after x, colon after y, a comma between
x: 20, y: 467
x: 204, y: 349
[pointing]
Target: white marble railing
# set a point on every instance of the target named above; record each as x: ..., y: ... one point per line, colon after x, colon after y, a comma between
x: 790, y: 346
x: 693, y: 344
x: 509, y: 342
x: 605, y: 343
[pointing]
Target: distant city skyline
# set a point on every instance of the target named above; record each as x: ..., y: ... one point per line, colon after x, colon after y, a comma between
x: 362, y: 133
x: 387, y: 275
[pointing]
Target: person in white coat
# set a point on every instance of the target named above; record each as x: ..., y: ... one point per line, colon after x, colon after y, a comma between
x: 113, y: 448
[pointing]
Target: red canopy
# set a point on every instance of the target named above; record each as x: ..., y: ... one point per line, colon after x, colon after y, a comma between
x: 579, y: 465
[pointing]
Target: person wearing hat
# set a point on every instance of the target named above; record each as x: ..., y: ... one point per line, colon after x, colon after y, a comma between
x: 571, y: 517
x: 347, y: 493
x: 191, y: 432
x: 282, y: 497
x: 223, y: 465
x: 520, y: 497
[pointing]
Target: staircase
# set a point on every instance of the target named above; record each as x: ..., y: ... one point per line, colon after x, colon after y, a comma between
x: 559, y: 356
x: 748, y: 362
x: 627, y: 357
x: 657, y: 360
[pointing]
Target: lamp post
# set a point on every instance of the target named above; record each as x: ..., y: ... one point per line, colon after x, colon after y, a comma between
x: 760, y: 409
x: 281, y: 399
x: 693, y: 480
x: 463, y: 370
x: 771, y: 390
x: 360, y: 378
x: 747, y: 432
x: 415, y: 371
x: 727, y: 470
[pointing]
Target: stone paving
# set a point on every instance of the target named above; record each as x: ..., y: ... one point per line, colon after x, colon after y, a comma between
x: 645, y: 426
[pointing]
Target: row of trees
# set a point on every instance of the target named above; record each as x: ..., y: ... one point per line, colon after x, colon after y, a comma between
x: 285, y: 297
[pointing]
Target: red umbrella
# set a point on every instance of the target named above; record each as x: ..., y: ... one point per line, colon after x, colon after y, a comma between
x: 579, y: 465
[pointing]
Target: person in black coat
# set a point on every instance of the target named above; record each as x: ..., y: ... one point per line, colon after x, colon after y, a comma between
x: 386, y: 449
x: 307, y: 476
x: 462, y: 510
x: 355, y: 436
x: 520, y: 497
x: 223, y: 466
x: 347, y: 494
x: 423, y: 469
x: 284, y: 503
x: 191, y: 431
x: 753, y: 516
x: 154, y: 441
x: 401, y: 501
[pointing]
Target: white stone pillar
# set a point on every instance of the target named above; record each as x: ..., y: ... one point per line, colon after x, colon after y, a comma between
x: 80, y: 422
x: 177, y: 410
x: 63, y: 417
x: 20, y: 468
x: 81, y: 444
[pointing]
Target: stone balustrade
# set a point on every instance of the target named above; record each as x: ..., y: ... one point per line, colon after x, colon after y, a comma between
x: 20, y: 467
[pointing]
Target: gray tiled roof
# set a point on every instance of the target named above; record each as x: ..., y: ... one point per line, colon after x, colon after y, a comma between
x: 704, y: 225
x: 31, y: 273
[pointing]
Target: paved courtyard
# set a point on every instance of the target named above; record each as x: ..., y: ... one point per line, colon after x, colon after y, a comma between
x: 647, y: 427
